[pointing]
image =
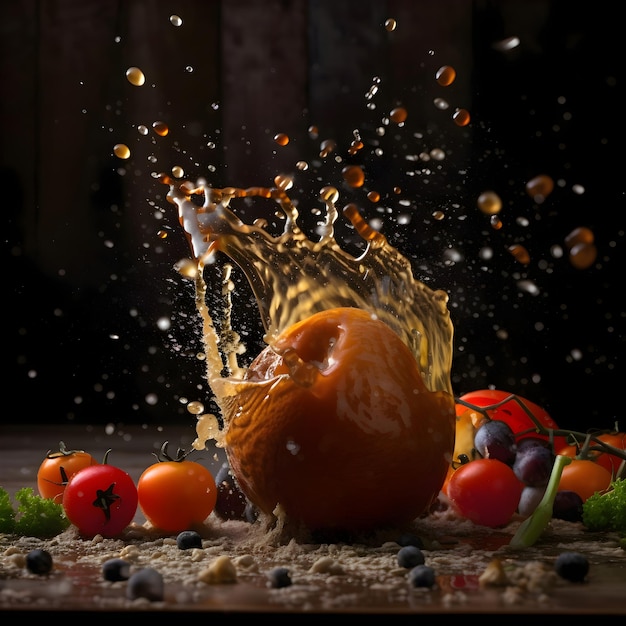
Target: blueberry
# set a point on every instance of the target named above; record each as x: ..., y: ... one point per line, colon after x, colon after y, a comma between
x: 115, y: 569
x: 188, y: 539
x: 146, y: 583
x: 410, y: 556
x: 572, y: 566
x: 279, y: 577
x: 422, y: 576
x: 39, y: 562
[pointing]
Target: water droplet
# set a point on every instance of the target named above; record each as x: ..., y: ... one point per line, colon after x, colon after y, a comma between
x: 353, y: 175
x: 160, y: 128
x: 461, y: 117
x: 520, y: 253
x: 445, y: 75
x: 121, y: 151
x: 489, y: 202
x: 135, y: 76
x: 540, y: 187
x: 281, y: 139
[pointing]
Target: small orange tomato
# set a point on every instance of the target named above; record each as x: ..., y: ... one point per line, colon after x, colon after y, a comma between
x: 585, y: 477
x: 611, y: 461
x: 176, y: 494
x: 57, y: 468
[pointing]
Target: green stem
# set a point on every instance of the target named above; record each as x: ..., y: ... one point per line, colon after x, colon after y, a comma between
x: 532, y: 528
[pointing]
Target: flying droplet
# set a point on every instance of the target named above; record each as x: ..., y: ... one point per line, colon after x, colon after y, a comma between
x: 461, y: 117
x: 390, y: 25
x: 121, y: 151
x: 445, y: 75
x: 583, y: 255
x: 353, y: 175
x: 489, y: 202
x: 135, y: 76
x: 540, y: 187
x: 579, y: 235
x: 520, y: 253
x: 281, y: 139
x: 398, y: 115
x: 160, y: 128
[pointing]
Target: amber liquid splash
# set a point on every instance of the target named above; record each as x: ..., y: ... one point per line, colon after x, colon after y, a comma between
x: 293, y: 277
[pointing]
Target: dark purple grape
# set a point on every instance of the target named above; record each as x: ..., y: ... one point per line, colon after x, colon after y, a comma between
x: 572, y: 566
x: 530, y: 442
x: 231, y: 501
x: 495, y: 439
x: 568, y: 506
x: 533, y: 465
x: 530, y: 498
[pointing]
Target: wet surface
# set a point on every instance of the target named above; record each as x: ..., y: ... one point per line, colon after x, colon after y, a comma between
x: 76, y: 582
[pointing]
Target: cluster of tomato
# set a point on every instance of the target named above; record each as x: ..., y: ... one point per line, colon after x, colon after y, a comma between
x: 487, y: 490
x: 174, y: 494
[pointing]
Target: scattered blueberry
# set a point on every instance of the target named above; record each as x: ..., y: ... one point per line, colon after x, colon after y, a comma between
x: 39, y: 562
x: 572, y: 566
x: 422, y: 576
x: 146, y: 583
x: 279, y: 577
x: 114, y: 570
x: 188, y: 539
x: 410, y: 556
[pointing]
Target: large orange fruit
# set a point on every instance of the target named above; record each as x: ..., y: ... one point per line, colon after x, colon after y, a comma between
x: 335, y: 424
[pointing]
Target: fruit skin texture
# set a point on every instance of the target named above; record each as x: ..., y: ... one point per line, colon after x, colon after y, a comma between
x: 485, y: 491
x: 57, y: 468
x: 100, y: 499
x: 176, y: 495
x: 347, y: 439
x: 585, y: 477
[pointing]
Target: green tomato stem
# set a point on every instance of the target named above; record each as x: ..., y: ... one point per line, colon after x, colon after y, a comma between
x: 531, y: 528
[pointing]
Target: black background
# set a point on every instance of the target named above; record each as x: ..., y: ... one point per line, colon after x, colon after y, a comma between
x: 88, y: 278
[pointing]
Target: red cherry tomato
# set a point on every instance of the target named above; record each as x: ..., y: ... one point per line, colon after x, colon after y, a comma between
x: 57, y: 468
x: 511, y: 412
x: 176, y: 494
x: 100, y: 500
x: 485, y: 491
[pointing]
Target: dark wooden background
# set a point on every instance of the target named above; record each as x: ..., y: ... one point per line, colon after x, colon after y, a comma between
x: 88, y: 278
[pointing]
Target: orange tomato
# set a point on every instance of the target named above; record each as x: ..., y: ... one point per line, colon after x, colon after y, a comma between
x: 57, y: 468
x: 335, y: 425
x: 611, y: 462
x: 585, y: 477
x: 176, y: 495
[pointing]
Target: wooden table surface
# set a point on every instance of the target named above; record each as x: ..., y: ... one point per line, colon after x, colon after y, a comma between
x: 23, y: 447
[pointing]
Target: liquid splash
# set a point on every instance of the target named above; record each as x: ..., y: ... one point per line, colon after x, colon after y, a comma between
x: 293, y: 277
